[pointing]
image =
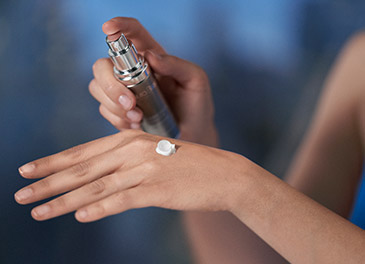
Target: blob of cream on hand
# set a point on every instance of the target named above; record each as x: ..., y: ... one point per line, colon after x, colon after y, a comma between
x: 165, y: 148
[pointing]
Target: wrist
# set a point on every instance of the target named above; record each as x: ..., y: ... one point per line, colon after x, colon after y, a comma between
x: 254, y: 189
x: 245, y: 186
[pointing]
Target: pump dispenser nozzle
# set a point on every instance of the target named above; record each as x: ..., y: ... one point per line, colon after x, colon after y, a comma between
x: 118, y: 45
x: 130, y: 67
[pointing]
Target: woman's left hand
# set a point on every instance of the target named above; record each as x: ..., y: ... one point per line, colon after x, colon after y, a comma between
x: 123, y: 171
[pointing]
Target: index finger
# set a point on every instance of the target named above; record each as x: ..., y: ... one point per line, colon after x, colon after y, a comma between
x: 57, y: 162
x: 133, y: 30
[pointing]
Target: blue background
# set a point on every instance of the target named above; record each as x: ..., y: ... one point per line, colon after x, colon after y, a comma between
x: 266, y: 61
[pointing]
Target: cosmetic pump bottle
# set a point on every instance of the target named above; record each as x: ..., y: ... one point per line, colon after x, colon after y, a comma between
x: 132, y: 70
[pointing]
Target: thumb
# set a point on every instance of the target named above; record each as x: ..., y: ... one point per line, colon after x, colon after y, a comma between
x: 182, y: 71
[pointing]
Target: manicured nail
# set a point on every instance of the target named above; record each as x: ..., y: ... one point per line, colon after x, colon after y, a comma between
x: 135, y: 126
x: 125, y: 102
x: 23, y: 194
x: 82, y: 214
x: 42, y: 210
x: 134, y: 115
x: 27, y: 168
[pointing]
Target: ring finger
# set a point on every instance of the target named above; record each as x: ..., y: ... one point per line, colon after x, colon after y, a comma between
x: 87, y: 194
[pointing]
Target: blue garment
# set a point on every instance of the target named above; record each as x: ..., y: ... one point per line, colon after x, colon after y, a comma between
x: 358, y: 214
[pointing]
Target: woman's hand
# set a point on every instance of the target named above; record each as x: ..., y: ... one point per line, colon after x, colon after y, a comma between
x: 123, y: 171
x: 184, y: 85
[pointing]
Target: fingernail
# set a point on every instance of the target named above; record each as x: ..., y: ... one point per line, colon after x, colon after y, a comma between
x: 134, y: 116
x: 125, y: 102
x: 27, y: 168
x: 82, y: 214
x: 42, y: 210
x: 135, y: 126
x: 23, y: 194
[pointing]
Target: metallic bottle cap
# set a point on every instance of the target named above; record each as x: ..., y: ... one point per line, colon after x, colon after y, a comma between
x: 129, y: 66
x: 118, y: 46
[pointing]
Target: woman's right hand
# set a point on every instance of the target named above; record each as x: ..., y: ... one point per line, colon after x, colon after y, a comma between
x: 184, y: 85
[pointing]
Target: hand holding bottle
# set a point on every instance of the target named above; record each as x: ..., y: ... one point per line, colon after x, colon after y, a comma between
x: 184, y: 85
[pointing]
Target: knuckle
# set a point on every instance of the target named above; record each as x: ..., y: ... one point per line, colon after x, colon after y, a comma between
x: 60, y: 202
x: 92, y: 83
x: 74, y: 153
x: 100, y: 63
x: 44, y: 184
x: 117, y: 122
x: 111, y: 86
x: 81, y: 169
x: 151, y: 166
x: 95, y: 66
x: 122, y: 125
x: 134, y: 21
x: 128, y: 133
x: 117, y: 19
x: 201, y: 77
x: 101, y: 110
x: 140, y: 141
x: 97, y: 187
x: 98, y: 210
x: 92, y: 86
x: 121, y: 199
x: 127, y: 137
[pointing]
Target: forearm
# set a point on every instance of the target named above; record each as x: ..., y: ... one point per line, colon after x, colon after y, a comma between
x: 209, y: 232
x: 220, y: 237
x: 297, y: 227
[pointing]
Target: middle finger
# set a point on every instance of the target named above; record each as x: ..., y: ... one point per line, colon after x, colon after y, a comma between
x: 86, y: 194
x: 98, y: 93
x: 104, y: 74
x: 71, y: 178
x: 134, y: 115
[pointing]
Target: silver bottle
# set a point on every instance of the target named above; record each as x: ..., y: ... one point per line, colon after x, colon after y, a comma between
x: 131, y: 69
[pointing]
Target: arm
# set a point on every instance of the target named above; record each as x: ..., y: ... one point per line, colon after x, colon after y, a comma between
x: 297, y: 227
x: 327, y: 167
x: 300, y: 229
x: 122, y: 171
x: 220, y: 237
x: 329, y: 162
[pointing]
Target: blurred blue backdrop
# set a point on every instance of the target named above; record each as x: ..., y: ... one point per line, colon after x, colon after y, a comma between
x: 266, y: 60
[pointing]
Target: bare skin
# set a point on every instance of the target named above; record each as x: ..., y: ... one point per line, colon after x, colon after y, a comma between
x: 122, y: 171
